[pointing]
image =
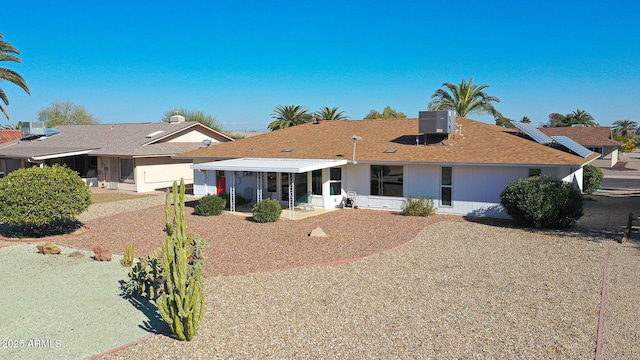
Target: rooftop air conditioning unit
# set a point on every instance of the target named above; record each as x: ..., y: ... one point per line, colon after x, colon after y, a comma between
x: 437, y: 122
x: 33, y: 128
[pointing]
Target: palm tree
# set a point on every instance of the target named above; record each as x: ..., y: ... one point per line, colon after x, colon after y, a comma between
x: 6, y: 51
x: 624, y: 126
x: 327, y: 113
x: 579, y: 117
x: 504, y: 122
x: 289, y: 115
x: 465, y: 98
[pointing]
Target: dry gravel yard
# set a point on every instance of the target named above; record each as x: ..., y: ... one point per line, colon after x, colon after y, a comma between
x: 460, y: 289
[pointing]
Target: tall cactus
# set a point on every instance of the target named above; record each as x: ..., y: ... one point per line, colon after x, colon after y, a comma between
x: 182, y: 303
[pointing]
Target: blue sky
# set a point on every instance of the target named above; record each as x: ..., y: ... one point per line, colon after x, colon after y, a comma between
x: 131, y: 61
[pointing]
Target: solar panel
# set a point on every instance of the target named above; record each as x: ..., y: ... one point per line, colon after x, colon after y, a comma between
x: 572, y: 145
x: 534, y: 133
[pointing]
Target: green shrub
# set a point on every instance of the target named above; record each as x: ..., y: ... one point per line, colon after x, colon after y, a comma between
x: 146, y: 277
x: 210, y: 205
x: 267, y: 211
x: 591, y: 178
x: 543, y: 202
x: 40, y: 197
x: 418, y: 206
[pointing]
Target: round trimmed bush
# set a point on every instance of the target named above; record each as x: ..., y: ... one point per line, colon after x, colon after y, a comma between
x: 591, y: 178
x: 267, y: 211
x: 210, y: 205
x: 39, y: 197
x: 543, y: 202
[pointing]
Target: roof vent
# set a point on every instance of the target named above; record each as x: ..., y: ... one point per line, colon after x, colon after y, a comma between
x: 437, y: 122
x: 33, y: 128
x: 155, y: 133
x: 577, y: 125
x: 176, y: 119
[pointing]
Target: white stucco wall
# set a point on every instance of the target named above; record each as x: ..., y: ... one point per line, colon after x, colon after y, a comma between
x: 160, y: 172
x: 195, y: 136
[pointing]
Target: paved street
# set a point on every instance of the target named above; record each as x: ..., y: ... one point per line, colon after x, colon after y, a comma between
x: 627, y: 178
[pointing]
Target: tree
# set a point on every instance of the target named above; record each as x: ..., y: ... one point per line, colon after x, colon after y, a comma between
x: 555, y: 120
x: 504, y: 122
x: 579, y: 117
x: 465, y: 98
x: 66, y: 113
x: 328, y: 113
x: 194, y: 115
x: 289, y: 115
x: 573, y: 118
x: 387, y: 113
x: 628, y: 147
x: 7, y: 52
x: 526, y: 120
x: 10, y: 126
x: 624, y: 126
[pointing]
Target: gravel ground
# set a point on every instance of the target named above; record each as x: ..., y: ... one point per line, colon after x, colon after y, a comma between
x: 460, y: 290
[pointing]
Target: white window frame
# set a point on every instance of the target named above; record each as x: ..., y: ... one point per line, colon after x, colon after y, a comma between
x: 449, y: 186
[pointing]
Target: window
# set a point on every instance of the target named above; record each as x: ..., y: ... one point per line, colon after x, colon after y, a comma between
x: 446, y: 186
x: 386, y: 180
x: 597, y: 149
x: 316, y: 182
x: 335, y: 181
x: 284, y: 187
x: 535, y: 172
x: 126, y: 169
x: 272, y: 182
x: 301, y: 184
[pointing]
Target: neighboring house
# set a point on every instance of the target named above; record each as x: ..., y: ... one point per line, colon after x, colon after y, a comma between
x: 464, y: 166
x: 136, y: 157
x: 9, y: 135
x: 595, y: 138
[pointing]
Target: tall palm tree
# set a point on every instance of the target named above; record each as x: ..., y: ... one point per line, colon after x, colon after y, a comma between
x: 579, y: 117
x: 624, y: 126
x: 289, y: 115
x: 328, y: 113
x: 6, y: 54
x: 465, y: 98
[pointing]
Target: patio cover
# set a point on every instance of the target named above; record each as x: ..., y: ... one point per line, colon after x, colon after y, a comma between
x: 270, y: 165
x: 260, y: 166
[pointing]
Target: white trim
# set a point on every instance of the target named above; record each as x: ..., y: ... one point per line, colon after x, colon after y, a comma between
x: 60, y: 155
x: 270, y: 165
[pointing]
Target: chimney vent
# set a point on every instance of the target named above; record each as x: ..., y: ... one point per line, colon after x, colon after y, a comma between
x: 176, y: 119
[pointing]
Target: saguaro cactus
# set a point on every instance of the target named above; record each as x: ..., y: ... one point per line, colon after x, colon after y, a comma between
x: 182, y: 303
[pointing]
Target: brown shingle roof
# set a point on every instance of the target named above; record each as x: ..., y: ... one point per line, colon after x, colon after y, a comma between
x: 482, y: 143
x: 585, y: 136
x: 111, y: 140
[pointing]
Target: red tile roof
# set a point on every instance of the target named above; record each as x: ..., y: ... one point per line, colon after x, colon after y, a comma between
x: 482, y: 143
x: 9, y: 135
x: 585, y: 136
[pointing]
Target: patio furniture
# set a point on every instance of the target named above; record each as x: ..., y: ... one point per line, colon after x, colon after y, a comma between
x: 303, y: 202
x: 349, y: 202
